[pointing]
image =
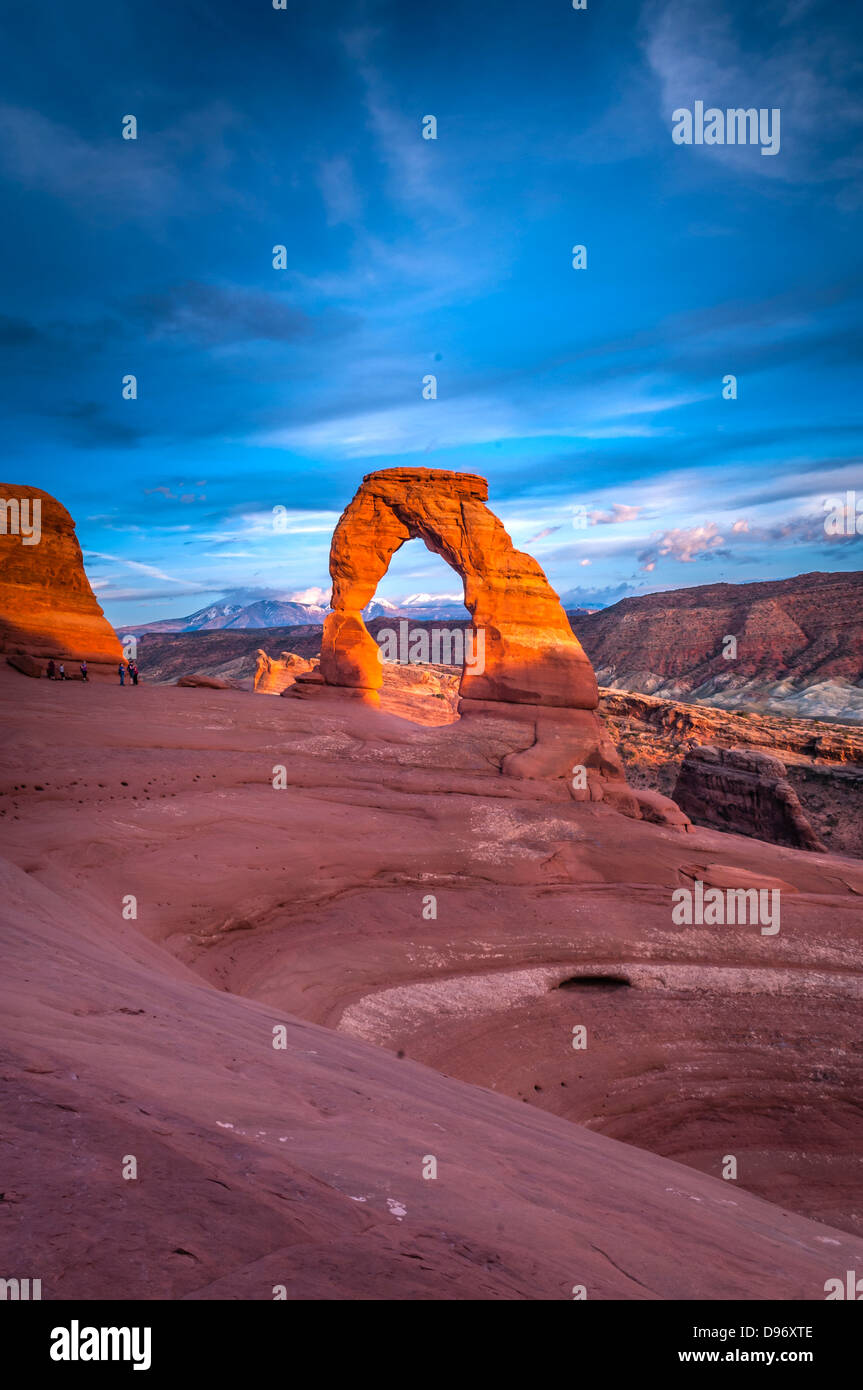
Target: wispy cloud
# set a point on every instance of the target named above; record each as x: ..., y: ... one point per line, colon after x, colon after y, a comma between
x: 139, y: 566
x: 809, y: 70
x: 113, y: 177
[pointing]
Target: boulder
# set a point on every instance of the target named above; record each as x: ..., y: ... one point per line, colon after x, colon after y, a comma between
x: 28, y: 665
x: 207, y: 682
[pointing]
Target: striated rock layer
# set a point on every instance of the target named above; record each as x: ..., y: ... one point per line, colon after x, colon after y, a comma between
x: 799, y: 644
x: 823, y: 762
x: 530, y: 653
x: 47, y: 608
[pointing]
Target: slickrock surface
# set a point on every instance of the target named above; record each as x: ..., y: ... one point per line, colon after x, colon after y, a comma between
x: 743, y: 791
x: 422, y: 694
x: 47, y: 608
x: 310, y: 906
x: 530, y: 653
x: 197, y: 680
x: 799, y: 644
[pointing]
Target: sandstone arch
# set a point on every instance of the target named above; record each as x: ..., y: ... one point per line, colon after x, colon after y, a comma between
x: 531, y: 654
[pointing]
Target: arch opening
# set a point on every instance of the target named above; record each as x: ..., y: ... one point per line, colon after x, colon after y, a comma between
x: 424, y: 635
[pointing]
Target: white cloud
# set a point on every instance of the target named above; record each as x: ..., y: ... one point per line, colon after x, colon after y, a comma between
x: 314, y: 595
x: 139, y: 566
x: 480, y: 419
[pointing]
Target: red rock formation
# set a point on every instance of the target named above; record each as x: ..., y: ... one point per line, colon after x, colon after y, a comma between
x: 823, y: 762
x: 197, y: 681
x: 533, y: 676
x: 678, y: 725
x: 47, y: 608
x: 807, y: 630
x: 744, y: 791
x: 530, y: 653
x: 273, y: 675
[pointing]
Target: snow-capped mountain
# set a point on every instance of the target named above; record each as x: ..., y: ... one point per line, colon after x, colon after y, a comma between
x: 262, y: 613
x: 436, y: 607
x: 281, y: 612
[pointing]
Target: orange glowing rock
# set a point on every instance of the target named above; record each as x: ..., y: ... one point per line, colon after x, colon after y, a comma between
x: 47, y: 608
x: 530, y: 654
x: 274, y: 675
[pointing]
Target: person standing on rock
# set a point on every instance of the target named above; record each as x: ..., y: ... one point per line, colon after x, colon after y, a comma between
x: 61, y: 675
x: 83, y: 670
x: 52, y: 670
x: 121, y: 671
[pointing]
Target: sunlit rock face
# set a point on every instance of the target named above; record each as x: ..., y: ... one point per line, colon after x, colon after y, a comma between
x: 530, y: 655
x: 274, y: 675
x: 47, y: 608
x: 525, y: 667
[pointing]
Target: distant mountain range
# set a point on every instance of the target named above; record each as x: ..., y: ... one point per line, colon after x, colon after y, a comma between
x: 260, y: 614
x: 274, y: 612
x: 784, y: 646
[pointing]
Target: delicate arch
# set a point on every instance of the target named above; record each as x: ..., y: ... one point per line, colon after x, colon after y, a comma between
x: 530, y: 653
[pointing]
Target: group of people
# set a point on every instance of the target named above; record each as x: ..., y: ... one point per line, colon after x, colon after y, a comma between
x: 57, y: 672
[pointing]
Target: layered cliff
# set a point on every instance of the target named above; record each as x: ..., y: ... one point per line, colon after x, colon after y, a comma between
x: 797, y: 644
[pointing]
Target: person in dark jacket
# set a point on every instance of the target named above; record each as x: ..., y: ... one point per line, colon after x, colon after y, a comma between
x: 83, y: 670
x: 121, y: 671
x: 52, y: 670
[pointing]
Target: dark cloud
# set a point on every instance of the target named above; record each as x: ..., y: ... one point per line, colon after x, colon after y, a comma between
x: 89, y: 425
x: 18, y: 333
x: 217, y: 315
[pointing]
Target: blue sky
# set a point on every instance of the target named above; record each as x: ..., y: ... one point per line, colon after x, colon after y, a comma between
x: 596, y: 389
